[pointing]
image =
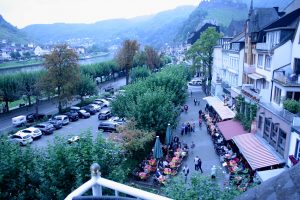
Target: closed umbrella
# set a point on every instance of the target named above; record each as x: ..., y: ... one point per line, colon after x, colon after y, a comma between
x: 157, y: 149
x: 168, y: 135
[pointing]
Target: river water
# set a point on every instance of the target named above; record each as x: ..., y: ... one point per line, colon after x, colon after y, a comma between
x: 39, y: 67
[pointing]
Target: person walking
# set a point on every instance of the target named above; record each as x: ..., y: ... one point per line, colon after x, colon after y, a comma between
x: 192, y: 147
x: 196, y: 160
x: 195, y: 101
x: 200, y: 122
x: 186, y: 172
x: 182, y: 128
x: 200, y: 165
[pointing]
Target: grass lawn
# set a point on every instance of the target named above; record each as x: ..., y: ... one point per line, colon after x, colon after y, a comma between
x: 20, y: 63
x: 18, y: 102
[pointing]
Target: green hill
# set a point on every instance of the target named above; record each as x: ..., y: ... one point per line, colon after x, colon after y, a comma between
x: 11, y: 33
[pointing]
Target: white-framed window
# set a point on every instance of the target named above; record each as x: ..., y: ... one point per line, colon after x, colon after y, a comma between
x: 297, y: 150
x: 268, y: 60
x: 281, y: 139
x: 260, y: 60
x: 277, y: 95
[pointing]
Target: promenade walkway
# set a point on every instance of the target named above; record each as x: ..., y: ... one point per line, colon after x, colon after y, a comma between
x: 203, y: 143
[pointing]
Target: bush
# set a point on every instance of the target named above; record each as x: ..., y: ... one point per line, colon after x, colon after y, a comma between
x: 291, y: 105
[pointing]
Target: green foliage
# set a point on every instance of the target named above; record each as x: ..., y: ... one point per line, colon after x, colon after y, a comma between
x: 291, y: 105
x: 52, y: 173
x: 152, y: 102
x: 202, y: 187
x: 139, y: 73
x: 246, y: 112
x: 8, y: 89
x: 85, y: 86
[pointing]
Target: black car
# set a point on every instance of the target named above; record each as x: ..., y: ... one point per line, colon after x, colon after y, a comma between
x: 83, y: 114
x: 90, y: 109
x: 73, y: 116
x: 46, y: 128
x: 56, y: 123
x: 104, y: 114
x: 30, y: 118
x: 107, y: 126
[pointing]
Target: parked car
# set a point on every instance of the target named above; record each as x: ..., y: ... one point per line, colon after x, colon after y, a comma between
x: 90, y: 109
x: 107, y: 126
x: 35, y: 133
x: 104, y: 114
x: 46, y: 128
x: 73, y: 139
x: 73, y: 116
x: 56, y: 123
x: 74, y: 108
x: 103, y: 101
x: 109, y: 89
x: 20, y: 138
x: 119, y: 121
x: 19, y: 120
x: 96, y: 106
x: 196, y: 82
x: 33, y: 117
x: 83, y: 114
x: 63, y: 118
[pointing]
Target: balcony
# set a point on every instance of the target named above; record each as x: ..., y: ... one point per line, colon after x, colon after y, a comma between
x: 249, y: 69
x: 250, y: 92
x: 286, y: 77
x: 263, y: 46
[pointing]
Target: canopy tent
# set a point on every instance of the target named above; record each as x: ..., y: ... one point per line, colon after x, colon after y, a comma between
x: 231, y: 128
x: 265, y: 175
x: 256, y: 154
x: 256, y: 76
x: 223, y: 111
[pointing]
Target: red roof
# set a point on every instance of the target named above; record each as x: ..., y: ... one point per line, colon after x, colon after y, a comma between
x: 231, y: 128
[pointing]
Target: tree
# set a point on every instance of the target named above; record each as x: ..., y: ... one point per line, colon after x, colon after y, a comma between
x: 62, y: 72
x: 139, y: 59
x: 85, y: 86
x: 201, y: 54
x: 152, y: 58
x: 125, y: 56
x: 139, y: 72
x: 8, y: 89
x: 27, y: 83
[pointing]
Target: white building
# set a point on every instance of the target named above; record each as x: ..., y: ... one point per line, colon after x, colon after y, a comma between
x: 38, y: 51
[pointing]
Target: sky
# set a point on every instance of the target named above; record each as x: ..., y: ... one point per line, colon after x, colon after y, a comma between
x: 21, y: 13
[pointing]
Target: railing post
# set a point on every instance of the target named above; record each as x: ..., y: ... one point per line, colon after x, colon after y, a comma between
x: 116, y: 193
x: 95, y: 174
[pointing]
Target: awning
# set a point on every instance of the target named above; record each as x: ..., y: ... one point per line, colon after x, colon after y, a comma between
x: 257, y: 155
x: 231, y: 128
x: 223, y: 111
x: 255, y: 76
x: 265, y: 175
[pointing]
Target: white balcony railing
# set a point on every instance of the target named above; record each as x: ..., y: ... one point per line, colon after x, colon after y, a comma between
x: 249, y: 69
x: 97, y: 182
x: 263, y: 46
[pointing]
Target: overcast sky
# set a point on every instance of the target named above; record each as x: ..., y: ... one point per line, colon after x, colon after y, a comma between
x: 21, y: 13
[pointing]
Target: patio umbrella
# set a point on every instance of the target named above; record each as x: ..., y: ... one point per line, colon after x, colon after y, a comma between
x: 168, y: 135
x: 157, y: 149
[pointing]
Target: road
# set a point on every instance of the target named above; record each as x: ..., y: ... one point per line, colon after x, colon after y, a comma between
x: 47, y: 107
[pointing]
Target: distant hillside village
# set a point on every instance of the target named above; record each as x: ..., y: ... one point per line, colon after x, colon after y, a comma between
x: 12, y: 51
x: 261, y: 66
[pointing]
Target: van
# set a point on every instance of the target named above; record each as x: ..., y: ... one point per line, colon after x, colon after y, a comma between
x: 19, y: 120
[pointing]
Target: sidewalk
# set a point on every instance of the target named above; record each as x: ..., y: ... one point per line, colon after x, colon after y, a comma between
x: 203, y: 143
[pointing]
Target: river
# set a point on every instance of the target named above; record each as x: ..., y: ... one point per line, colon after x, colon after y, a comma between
x: 39, y: 67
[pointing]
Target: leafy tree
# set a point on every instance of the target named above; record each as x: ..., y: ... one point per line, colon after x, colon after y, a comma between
x: 62, y: 72
x: 139, y: 72
x: 139, y: 59
x: 125, y: 56
x: 85, y: 86
x: 291, y: 105
x: 27, y: 83
x: 201, y: 54
x: 8, y: 89
x: 15, y: 55
x: 152, y: 58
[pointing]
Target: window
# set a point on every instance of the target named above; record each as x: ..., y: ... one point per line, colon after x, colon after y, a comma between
x: 274, y: 130
x: 268, y: 63
x: 267, y: 127
x: 277, y: 95
x: 297, y: 65
x: 297, y: 150
x: 281, y: 139
x: 260, y: 60
x: 293, y: 95
x: 260, y: 119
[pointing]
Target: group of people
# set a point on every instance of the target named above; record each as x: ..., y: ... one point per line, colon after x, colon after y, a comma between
x: 188, y: 127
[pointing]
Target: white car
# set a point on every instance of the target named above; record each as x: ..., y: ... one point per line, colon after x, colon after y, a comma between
x: 19, y: 120
x: 20, y: 138
x: 103, y: 101
x: 63, y: 118
x: 73, y: 139
x: 35, y: 133
x: 96, y: 106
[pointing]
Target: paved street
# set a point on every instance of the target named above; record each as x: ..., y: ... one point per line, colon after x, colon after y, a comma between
x: 47, y: 107
x: 203, y: 143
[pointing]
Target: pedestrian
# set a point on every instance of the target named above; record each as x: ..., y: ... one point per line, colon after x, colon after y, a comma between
x: 198, y: 102
x: 186, y: 172
x: 191, y: 93
x: 192, y: 147
x: 200, y: 112
x: 182, y: 129
x: 200, y: 165
x: 195, y: 101
x: 193, y: 125
x: 188, y: 127
x: 200, y: 122
x: 196, y: 159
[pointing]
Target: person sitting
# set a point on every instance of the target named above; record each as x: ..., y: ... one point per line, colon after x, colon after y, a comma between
x: 165, y: 164
x: 160, y: 164
x: 158, y: 173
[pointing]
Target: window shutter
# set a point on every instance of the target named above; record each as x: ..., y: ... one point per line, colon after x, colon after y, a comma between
x: 296, y: 150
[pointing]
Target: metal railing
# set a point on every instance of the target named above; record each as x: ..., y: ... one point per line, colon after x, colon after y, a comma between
x: 286, y: 79
x: 97, y: 182
x: 263, y: 46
